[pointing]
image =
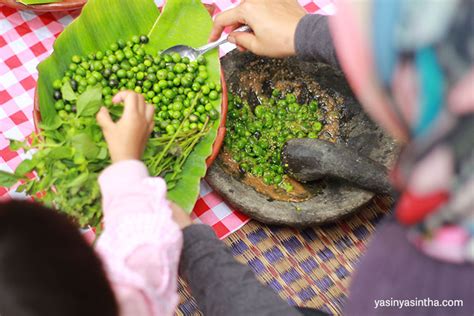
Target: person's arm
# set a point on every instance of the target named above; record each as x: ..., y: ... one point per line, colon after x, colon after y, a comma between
x: 313, y: 40
x: 280, y: 28
x: 222, y: 285
x: 141, y: 243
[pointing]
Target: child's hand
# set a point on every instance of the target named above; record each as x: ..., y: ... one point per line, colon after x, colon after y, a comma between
x: 127, y: 138
x: 180, y: 217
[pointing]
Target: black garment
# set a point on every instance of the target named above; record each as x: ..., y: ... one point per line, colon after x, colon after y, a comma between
x: 313, y: 41
x: 222, y: 285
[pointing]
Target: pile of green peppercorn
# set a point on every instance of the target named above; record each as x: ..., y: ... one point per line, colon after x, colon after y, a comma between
x: 169, y: 82
x: 255, y: 137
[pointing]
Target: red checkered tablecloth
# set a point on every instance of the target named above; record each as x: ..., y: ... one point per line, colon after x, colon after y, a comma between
x: 26, y: 39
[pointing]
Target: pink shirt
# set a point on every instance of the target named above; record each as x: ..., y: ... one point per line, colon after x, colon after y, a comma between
x: 141, y: 244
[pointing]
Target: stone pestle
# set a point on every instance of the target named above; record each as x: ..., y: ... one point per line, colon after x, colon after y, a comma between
x: 312, y: 159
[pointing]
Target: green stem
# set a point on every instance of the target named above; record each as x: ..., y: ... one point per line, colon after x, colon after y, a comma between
x: 180, y: 162
x: 168, y: 146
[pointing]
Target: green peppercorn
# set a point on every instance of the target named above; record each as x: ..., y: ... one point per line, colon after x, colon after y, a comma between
x: 112, y: 59
x: 144, y: 39
x: 213, y: 114
x: 177, y: 106
x: 170, y: 129
x: 179, y: 68
x: 121, y: 43
x: 73, y: 67
x: 317, y: 126
x: 57, y: 95
x: 205, y: 89
x: 213, y: 95
x: 91, y: 80
x: 106, y: 91
x: 196, y: 86
x: 76, y: 59
x: 168, y: 93
x: 136, y: 39
x: 57, y: 84
x: 121, y: 73
x: 200, y: 109
x: 208, y: 107
x: 176, y: 57
x: 313, y: 105
x: 290, y: 98
x: 74, y: 84
x: 151, y: 77
x: 201, y: 60
x: 114, y: 47
x: 59, y: 105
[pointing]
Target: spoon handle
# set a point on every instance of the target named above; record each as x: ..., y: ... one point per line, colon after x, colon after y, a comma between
x: 204, y: 49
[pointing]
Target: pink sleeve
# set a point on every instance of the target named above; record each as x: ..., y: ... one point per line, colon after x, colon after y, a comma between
x: 141, y: 244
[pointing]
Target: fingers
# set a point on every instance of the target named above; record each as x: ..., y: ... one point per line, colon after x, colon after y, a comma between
x: 130, y: 101
x: 179, y: 216
x: 149, y: 115
x: 133, y: 102
x: 141, y: 107
x: 174, y: 207
x: 149, y: 111
x: 245, y: 41
x: 241, y: 49
x: 103, y: 118
x: 226, y: 18
x: 122, y: 96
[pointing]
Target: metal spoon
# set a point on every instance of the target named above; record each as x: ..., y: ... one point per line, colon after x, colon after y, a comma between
x: 194, y: 53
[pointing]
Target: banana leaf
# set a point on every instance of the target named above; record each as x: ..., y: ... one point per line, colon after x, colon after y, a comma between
x: 103, y: 22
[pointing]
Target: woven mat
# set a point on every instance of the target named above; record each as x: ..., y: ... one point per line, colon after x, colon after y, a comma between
x: 309, y: 267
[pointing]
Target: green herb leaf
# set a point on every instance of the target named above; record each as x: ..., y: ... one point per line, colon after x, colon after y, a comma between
x: 61, y: 153
x: 45, y: 182
x: 16, y: 145
x: 54, y: 135
x: 78, y: 181
x: 89, y: 102
x: 102, y: 153
x: 22, y: 187
x: 67, y: 92
x: 116, y: 111
x: 85, y: 145
x: 52, y: 124
x: 8, y: 179
x: 24, y: 167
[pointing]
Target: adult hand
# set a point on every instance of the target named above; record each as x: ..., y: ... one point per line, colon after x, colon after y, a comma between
x: 128, y: 137
x: 273, y: 23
